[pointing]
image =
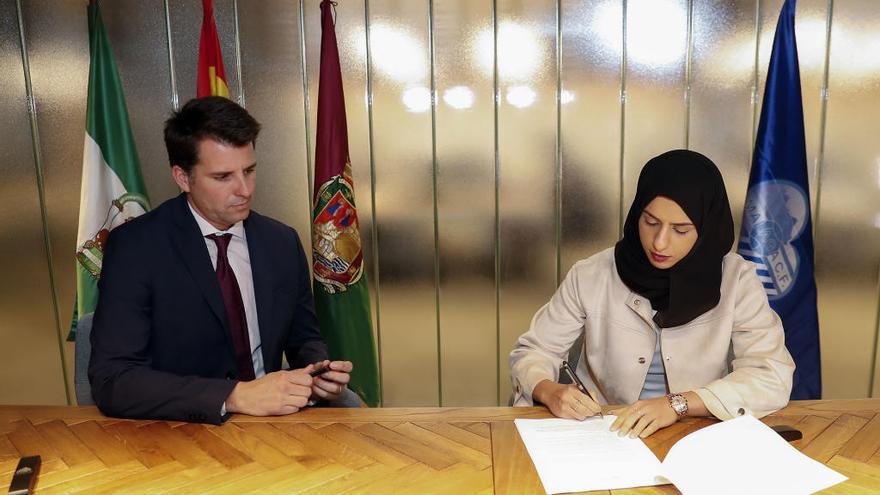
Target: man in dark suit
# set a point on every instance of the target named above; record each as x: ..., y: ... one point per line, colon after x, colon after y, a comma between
x: 200, y: 297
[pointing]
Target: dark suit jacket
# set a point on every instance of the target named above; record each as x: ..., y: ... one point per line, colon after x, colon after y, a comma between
x: 161, y: 346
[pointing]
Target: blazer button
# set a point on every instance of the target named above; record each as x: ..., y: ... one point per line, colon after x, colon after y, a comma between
x: 641, y: 360
x: 741, y: 411
x: 636, y: 302
x: 230, y: 376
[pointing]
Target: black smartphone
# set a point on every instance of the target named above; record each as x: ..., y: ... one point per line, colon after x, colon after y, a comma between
x: 319, y: 371
x: 25, y: 476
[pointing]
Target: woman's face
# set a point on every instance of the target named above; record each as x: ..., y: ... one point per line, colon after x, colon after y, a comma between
x: 666, y: 232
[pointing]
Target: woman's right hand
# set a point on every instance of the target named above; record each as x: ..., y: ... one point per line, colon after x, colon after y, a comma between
x: 565, y: 401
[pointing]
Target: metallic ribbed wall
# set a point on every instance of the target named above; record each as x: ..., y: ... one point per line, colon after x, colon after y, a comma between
x: 494, y: 143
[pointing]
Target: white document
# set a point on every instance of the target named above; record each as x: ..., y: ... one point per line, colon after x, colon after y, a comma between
x: 738, y: 456
x: 743, y: 455
x: 575, y: 456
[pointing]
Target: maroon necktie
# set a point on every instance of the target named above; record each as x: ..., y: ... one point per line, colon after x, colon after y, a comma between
x: 234, y: 308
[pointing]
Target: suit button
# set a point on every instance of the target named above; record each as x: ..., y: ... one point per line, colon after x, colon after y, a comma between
x: 741, y: 411
x: 636, y: 302
x: 230, y: 376
x: 641, y: 360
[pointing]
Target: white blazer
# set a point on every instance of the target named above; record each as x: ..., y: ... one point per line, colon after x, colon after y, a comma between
x: 733, y: 356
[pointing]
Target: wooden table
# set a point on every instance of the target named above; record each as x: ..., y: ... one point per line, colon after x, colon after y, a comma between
x: 394, y: 450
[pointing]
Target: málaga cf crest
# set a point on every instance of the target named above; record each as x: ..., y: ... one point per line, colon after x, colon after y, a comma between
x: 336, y: 242
x: 775, y: 216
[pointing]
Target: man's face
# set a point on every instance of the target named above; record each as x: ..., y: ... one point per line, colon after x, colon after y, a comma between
x: 221, y: 184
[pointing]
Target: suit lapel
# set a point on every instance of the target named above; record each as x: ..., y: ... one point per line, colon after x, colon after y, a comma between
x: 261, y: 269
x: 187, y: 238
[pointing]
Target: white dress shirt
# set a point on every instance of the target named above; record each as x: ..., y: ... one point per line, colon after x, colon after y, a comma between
x: 240, y: 261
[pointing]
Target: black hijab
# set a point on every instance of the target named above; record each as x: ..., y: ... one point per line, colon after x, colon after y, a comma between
x: 693, y: 285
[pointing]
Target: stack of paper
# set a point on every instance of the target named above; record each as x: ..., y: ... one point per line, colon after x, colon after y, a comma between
x: 738, y: 456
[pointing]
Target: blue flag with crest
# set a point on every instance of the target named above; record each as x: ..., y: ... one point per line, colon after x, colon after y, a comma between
x: 777, y: 232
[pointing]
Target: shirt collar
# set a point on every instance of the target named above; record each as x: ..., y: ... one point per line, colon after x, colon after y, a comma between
x: 237, y: 229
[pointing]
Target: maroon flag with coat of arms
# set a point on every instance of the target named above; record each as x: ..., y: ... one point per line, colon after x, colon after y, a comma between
x: 342, y: 300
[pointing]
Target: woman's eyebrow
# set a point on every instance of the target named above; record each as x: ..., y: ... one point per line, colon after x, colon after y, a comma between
x: 680, y: 224
x: 646, y: 212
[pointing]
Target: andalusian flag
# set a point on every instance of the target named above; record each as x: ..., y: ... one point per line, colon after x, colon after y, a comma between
x: 341, y: 298
x: 212, y: 77
x: 113, y: 190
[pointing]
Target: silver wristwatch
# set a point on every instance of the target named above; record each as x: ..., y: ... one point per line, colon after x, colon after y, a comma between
x: 678, y: 403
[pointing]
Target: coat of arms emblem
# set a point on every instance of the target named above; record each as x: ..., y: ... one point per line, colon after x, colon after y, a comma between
x: 336, y: 242
x: 90, y: 254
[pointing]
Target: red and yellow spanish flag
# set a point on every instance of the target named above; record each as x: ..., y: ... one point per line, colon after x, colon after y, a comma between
x: 212, y: 77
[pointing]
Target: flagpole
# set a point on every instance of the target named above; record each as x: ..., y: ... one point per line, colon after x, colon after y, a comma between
x: 689, y: 54
x: 240, y: 84
x: 307, y: 105
x: 755, y: 70
x: 41, y: 191
x: 175, y: 100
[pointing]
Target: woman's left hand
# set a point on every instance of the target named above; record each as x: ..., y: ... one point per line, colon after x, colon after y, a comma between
x: 644, y: 417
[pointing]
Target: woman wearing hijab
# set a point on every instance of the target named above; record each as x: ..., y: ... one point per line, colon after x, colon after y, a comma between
x: 673, y: 323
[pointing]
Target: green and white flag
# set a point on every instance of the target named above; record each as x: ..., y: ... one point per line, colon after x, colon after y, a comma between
x: 113, y: 189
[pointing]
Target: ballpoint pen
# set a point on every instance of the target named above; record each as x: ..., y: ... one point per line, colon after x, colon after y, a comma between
x: 580, y: 385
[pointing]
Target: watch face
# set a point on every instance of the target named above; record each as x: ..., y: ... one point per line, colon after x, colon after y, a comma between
x: 678, y: 403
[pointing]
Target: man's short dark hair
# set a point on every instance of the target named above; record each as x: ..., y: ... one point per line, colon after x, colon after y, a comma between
x: 211, y: 117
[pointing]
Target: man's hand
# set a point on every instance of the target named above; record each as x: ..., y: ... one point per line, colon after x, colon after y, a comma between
x: 330, y: 385
x: 278, y: 393
x: 565, y: 401
x: 644, y: 417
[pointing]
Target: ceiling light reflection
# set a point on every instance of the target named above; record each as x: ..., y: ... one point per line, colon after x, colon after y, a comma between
x: 566, y: 97
x: 518, y: 51
x: 459, y: 97
x: 651, y: 27
x: 521, y: 96
x: 395, y: 52
x: 417, y: 99
x: 858, y: 51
